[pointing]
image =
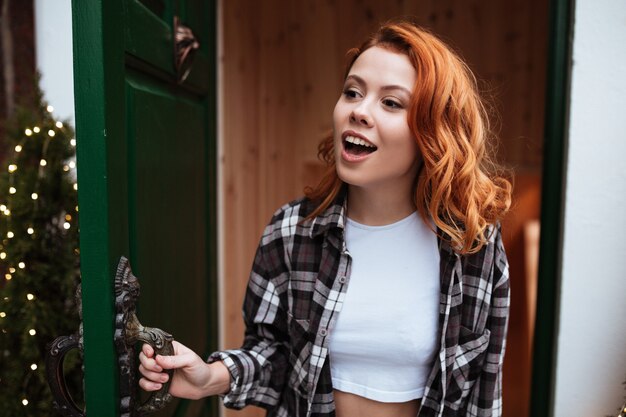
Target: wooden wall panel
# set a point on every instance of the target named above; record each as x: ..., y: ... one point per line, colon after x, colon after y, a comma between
x: 282, y: 64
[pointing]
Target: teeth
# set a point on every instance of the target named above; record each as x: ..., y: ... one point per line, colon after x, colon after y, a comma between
x: 359, y: 141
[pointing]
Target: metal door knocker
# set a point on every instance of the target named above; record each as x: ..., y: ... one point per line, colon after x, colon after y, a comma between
x: 129, y: 333
x: 185, y: 46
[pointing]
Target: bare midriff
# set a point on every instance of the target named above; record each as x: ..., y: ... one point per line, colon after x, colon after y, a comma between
x: 351, y: 405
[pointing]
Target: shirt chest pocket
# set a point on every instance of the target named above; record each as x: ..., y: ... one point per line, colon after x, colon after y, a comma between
x: 468, y: 363
x: 300, y: 294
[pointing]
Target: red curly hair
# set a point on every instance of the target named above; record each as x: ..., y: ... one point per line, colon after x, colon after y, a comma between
x: 459, y: 186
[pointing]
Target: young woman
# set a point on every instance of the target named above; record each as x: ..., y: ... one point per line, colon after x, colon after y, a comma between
x: 384, y: 292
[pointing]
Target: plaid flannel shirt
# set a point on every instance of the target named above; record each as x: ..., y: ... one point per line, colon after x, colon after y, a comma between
x: 295, y: 293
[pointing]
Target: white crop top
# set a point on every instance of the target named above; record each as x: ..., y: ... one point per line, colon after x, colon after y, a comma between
x: 385, y: 338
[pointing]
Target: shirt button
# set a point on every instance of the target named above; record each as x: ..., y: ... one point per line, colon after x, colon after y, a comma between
x: 342, y: 279
x: 323, y: 332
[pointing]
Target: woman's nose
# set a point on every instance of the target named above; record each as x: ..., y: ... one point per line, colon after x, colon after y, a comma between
x: 361, y: 115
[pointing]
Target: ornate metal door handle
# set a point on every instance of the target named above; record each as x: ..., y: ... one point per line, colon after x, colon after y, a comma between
x: 128, y: 333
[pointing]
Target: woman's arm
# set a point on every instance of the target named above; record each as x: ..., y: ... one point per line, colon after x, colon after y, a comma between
x: 259, y: 368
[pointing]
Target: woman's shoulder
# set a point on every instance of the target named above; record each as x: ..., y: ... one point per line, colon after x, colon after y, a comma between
x: 289, y: 219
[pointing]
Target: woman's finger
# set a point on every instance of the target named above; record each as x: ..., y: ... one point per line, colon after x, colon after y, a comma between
x: 147, y: 385
x: 160, y: 377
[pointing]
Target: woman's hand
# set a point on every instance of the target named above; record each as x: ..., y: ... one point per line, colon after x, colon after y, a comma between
x: 193, y: 378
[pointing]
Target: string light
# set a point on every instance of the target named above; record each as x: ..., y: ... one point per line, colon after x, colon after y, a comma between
x: 8, y: 277
x: 72, y: 164
x: 73, y: 142
x: 33, y: 366
x: 76, y: 208
x: 18, y: 148
x: 66, y: 168
x: 66, y: 225
x: 43, y: 162
x: 32, y: 332
x: 3, y: 207
x: 28, y: 132
x: 30, y: 297
x: 12, y: 190
x: 25, y: 402
x: 68, y: 217
x: 3, y: 255
x: 50, y: 109
x: 10, y: 234
x: 11, y: 270
x: 22, y: 265
x: 76, y: 186
x: 59, y: 125
x: 7, y: 212
x: 12, y: 168
x: 3, y: 314
x: 34, y: 196
x: 51, y: 133
x: 30, y: 230
x: 36, y: 129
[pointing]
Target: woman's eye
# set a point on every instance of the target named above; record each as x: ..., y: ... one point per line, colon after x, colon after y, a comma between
x: 392, y: 103
x: 350, y: 93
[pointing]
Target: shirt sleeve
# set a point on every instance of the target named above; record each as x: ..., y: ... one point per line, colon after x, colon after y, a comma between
x: 486, y: 398
x: 258, y: 369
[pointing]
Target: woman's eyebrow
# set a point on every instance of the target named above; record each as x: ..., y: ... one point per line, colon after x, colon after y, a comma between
x: 386, y: 87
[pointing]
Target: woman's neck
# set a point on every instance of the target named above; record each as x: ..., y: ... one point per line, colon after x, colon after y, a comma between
x: 378, y: 207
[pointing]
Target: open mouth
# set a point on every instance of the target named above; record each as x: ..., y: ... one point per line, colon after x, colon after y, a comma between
x: 357, y: 147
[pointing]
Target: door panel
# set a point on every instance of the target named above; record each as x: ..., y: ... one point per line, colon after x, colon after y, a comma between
x: 168, y: 210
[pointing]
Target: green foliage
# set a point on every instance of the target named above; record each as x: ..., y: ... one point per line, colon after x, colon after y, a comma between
x: 38, y: 294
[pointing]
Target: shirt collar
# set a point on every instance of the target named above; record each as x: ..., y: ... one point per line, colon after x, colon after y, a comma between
x: 333, y: 217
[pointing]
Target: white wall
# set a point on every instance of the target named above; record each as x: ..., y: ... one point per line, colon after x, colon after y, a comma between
x: 53, y: 44
x: 591, y: 355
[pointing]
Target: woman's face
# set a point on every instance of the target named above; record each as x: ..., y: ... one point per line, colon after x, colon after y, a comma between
x: 373, y: 144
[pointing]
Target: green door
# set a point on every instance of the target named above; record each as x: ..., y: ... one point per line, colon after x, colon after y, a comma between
x: 146, y: 149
